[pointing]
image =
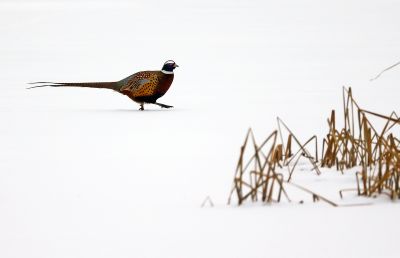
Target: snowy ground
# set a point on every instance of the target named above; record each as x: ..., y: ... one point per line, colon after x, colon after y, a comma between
x: 84, y: 174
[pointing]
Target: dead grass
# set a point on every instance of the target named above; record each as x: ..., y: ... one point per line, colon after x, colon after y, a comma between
x: 357, y: 144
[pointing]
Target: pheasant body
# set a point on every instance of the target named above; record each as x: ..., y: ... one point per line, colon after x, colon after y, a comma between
x: 146, y: 87
x: 141, y: 87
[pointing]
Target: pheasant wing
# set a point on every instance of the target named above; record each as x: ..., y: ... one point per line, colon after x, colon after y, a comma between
x: 140, y: 84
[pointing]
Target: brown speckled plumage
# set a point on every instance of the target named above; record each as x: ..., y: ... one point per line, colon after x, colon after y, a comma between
x: 142, y: 87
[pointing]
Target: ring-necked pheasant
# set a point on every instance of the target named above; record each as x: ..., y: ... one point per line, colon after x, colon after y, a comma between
x: 142, y: 87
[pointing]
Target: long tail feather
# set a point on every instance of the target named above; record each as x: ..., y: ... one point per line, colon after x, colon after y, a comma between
x: 98, y: 85
x: 40, y: 86
x: 40, y: 82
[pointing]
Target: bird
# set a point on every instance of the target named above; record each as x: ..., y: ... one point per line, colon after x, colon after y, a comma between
x: 143, y: 87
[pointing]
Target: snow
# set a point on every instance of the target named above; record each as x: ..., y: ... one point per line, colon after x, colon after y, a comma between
x: 83, y: 173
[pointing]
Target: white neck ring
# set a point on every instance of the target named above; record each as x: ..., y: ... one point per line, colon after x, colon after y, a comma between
x: 166, y: 72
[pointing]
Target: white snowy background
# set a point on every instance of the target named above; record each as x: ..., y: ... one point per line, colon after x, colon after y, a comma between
x: 84, y: 174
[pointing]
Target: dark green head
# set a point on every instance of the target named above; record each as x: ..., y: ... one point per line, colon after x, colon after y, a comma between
x: 169, y: 66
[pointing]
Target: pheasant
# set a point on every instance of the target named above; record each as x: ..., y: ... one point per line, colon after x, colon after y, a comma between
x: 142, y: 87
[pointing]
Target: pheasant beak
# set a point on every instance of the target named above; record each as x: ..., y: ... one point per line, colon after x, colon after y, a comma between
x: 175, y: 65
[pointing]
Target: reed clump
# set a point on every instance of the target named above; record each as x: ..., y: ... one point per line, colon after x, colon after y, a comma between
x: 357, y: 144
